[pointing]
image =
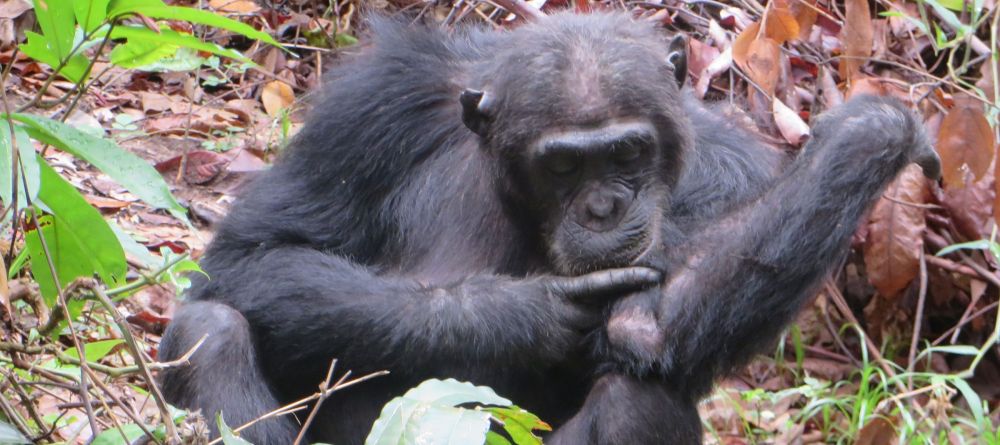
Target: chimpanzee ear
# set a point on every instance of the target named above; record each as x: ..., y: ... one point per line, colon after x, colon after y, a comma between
x: 677, y: 58
x: 475, y: 110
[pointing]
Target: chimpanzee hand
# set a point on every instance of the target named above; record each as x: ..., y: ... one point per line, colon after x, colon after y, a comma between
x: 879, y: 132
x: 580, y: 301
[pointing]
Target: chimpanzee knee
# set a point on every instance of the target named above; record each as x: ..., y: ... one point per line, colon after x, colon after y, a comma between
x: 222, y: 375
x: 624, y: 409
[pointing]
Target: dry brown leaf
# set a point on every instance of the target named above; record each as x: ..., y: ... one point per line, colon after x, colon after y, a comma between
x: 896, y: 229
x: 965, y: 141
x: 790, y: 125
x: 12, y: 9
x: 996, y: 191
x: 878, y: 431
x: 830, y: 93
x: 741, y: 46
x: 764, y: 64
x: 276, y: 95
x: 156, y: 102
x: 780, y: 23
x: 857, y: 37
x: 234, y: 6
x: 971, y: 206
x: 4, y: 288
x: 805, y: 15
x: 718, y: 66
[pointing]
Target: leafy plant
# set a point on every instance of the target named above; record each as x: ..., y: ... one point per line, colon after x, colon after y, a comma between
x: 430, y: 414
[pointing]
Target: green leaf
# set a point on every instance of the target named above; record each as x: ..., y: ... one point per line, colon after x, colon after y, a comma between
x: 137, y: 251
x: 519, y: 424
x: 55, y: 18
x: 39, y: 48
x: 113, y: 436
x: 127, y: 169
x: 184, y: 59
x: 954, y: 5
x: 228, y: 438
x: 90, y: 14
x: 452, y: 392
x: 971, y: 245
x: 492, y: 438
x: 27, y: 158
x: 97, y: 350
x: 427, y: 415
x: 136, y: 53
x: 975, y: 403
x: 11, y: 436
x: 167, y: 36
x: 158, y: 10
x: 78, y: 238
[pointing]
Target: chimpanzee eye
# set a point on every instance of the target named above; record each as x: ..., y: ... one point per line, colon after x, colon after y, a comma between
x: 562, y: 163
x: 624, y: 153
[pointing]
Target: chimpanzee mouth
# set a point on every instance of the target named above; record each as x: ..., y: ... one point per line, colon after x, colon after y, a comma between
x: 582, y: 251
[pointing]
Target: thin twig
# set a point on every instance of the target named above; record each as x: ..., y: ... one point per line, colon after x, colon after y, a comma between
x: 918, y: 318
x: 322, y: 390
x: 300, y: 404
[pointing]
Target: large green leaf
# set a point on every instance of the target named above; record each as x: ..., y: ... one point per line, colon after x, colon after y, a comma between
x: 79, y: 239
x: 519, y: 424
x: 136, y: 53
x: 158, y: 10
x: 228, y: 437
x: 28, y: 160
x: 167, y: 36
x: 427, y: 415
x: 11, y: 436
x: 55, y: 18
x: 39, y: 48
x: 127, y: 169
x: 90, y: 14
x: 113, y: 436
x: 95, y: 350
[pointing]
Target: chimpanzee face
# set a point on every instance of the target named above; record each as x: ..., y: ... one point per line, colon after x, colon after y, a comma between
x: 588, y: 136
x: 599, y: 191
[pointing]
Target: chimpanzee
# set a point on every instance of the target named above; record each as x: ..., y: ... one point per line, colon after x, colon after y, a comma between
x: 543, y: 210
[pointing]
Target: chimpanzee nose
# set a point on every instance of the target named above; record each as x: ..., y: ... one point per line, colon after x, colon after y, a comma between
x: 600, y: 205
x: 603, y: 208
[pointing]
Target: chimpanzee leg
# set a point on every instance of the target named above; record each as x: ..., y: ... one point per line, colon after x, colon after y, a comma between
x: 223, y: 375
x: 622, y: 409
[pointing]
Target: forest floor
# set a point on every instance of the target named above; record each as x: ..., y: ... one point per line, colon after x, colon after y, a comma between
x: 900, y: 344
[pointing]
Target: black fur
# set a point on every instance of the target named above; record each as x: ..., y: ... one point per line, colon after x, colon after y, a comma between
x: 392, y: 237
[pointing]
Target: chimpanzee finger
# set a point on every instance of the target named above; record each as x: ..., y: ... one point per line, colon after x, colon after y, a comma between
x: 930, y: 163
x: 596, y: 287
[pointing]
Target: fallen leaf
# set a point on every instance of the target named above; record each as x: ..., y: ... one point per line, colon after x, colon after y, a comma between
x: 965, y: 141
x: 12, y: 9
x: 106, y: 203
x: 763, y: 64
x: 896, y: 233
x: 718, y: 66
x: 741, y: 46
x: 779, y: 23
x: 790, y: 125
x: 234, y: 6
x: 805, y: 14
x: 877, y: 431
x: 857, y: 36
x: 276, y: 95
x: 971, y: 206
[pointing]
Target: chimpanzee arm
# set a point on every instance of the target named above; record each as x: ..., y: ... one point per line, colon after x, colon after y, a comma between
x: 742, y: 279
x: 314, y: 306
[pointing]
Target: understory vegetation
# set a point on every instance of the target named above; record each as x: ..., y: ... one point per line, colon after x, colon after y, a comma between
x: 129, y: 125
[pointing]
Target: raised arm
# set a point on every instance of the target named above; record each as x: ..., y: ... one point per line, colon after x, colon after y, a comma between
x: 737, y: 283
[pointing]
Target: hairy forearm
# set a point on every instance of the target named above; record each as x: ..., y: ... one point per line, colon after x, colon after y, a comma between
x: 387, y: 321
x: 744, y: 278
